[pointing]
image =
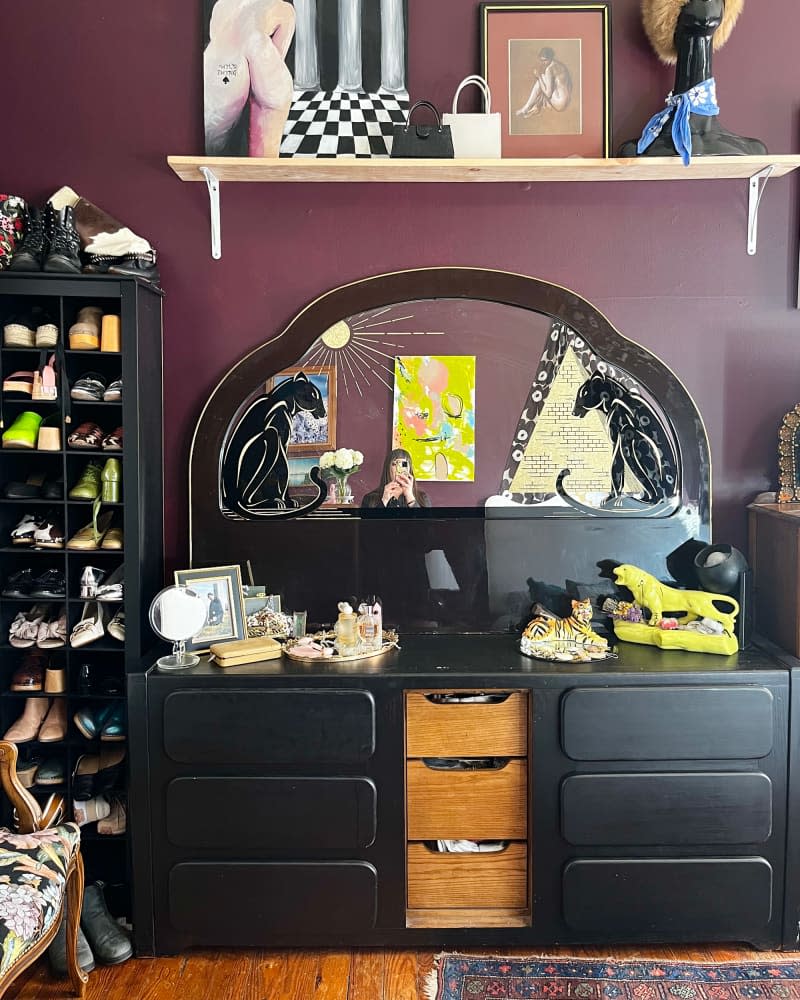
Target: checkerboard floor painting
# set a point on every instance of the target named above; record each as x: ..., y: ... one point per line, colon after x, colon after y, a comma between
x: 342, y: 124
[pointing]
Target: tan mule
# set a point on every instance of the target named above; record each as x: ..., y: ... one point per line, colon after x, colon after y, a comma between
x: 91, y: 535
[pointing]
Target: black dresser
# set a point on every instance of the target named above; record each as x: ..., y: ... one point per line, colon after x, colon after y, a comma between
x: 642, y: 799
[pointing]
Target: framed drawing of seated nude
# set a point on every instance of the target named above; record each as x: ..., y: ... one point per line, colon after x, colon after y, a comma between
x: 548, y: 67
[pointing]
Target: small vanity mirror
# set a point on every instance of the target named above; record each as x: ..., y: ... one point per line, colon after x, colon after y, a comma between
x: 789, y: 457
x: 176, y: 614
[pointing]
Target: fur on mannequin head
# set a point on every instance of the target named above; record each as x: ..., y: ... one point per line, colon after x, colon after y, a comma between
x: 660, y: 18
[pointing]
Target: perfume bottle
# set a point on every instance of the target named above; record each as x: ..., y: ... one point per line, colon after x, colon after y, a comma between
x: 346, y: 630
x: 367, y: 632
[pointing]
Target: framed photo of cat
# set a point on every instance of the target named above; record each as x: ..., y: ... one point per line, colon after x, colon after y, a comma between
x: 311, y: 435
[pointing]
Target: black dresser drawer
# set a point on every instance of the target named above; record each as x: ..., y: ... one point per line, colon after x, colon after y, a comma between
x: 668, y: 899
x: 261, y: 813
x: 666, y: 809
x: 668, y: 723
x: 241, y: 726
x: 243, y: 904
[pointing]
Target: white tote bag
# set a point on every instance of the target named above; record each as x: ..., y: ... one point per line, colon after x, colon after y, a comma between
x: 475, y: 136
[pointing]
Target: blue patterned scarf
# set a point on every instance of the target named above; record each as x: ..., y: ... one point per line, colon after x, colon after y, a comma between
x: 700, y: 100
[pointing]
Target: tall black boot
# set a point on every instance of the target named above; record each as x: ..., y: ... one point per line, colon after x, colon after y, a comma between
x: 64, y: 244
x: 30, y: 253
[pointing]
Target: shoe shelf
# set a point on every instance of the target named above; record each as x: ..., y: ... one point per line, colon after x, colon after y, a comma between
x: 137, y: 513
x: 755, y: 170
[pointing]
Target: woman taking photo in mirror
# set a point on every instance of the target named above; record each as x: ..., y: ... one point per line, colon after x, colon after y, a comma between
x: 398, y: 488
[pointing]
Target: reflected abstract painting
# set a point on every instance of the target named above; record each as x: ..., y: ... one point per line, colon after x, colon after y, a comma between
x: 434, y: 415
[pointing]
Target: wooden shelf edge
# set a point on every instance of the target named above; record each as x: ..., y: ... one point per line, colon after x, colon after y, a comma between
x: 384, y: 170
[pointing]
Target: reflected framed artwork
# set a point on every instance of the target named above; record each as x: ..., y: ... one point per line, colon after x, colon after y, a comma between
x: 312, y: 435
x: 549, y: 70
x: 221, y: 588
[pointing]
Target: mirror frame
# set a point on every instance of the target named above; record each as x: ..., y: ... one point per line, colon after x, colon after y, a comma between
x: 534, y: 294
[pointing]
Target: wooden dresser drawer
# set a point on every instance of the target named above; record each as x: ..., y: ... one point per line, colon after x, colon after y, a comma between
x: 471, y: 805
x: 467, y: 880
x: 472, y: 729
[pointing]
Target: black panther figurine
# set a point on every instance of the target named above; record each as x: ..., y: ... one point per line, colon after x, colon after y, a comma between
x: 254, y: 474
x: 684, y: 31
x: 640, y: 442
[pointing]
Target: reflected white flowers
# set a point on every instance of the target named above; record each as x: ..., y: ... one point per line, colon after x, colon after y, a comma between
x: 343, y: 461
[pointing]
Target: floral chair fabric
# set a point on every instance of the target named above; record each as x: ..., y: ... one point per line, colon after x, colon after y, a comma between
x: 33, y: 877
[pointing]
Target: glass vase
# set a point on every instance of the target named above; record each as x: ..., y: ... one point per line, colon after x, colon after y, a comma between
x: 343, y: 494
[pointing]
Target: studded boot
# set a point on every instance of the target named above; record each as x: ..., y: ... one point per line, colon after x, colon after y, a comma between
x: 64, y: 244
x: 31, y: 252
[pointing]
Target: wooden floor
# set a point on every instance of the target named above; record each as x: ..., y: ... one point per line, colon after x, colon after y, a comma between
x: 306, y: 975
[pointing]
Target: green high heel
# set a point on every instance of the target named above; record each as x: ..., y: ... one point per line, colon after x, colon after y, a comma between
x: 111, y: 478
x: 88, y: 486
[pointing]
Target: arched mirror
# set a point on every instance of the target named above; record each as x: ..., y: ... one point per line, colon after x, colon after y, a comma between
x: 444, y: 437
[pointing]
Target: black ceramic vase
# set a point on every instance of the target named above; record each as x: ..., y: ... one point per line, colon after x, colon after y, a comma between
x: 721, y: 577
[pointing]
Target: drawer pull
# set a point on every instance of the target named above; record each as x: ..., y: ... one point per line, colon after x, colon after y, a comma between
x: 466, y: 846
x: 465, y: 763
x: 467, y: 698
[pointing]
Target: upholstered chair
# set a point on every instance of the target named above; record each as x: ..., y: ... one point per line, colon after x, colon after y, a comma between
x: 41, y: 878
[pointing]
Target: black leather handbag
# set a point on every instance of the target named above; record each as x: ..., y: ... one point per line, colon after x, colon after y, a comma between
x: 422, y: 141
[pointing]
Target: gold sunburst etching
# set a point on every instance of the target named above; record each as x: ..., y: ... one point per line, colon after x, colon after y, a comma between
x: 354, y: 346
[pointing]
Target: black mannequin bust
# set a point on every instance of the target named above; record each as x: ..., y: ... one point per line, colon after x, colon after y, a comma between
x: 696, y: 25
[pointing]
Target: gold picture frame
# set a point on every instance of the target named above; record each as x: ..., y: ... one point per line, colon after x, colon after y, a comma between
x: 221, y: 586
x: 789, y: 457
x: 324, y: 437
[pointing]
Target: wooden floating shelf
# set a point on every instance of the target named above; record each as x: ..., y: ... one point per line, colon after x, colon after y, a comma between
x: 388, y: 171
x: 756, y: 170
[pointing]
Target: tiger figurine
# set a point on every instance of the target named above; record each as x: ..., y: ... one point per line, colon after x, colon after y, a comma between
x: 552, y: 638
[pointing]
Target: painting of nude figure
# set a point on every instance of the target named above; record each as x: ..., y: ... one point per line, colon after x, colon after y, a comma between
x: 304, y: 78
x: 544, y: 86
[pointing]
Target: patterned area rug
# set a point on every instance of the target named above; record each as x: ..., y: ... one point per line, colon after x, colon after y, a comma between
x: 466, y: 977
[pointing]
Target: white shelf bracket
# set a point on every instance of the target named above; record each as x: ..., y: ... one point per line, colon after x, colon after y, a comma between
x: 757, y: 183
x: 213, y: 199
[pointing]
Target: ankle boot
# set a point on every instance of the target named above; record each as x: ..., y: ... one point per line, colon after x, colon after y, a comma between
x: 54, y: 727
x: 108, y: 940
x: 26, y: 728
x: 31, y: 252
x: 64, y: 244
x: 57, y: 952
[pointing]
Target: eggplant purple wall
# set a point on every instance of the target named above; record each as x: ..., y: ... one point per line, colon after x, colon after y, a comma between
x: 97, y: 95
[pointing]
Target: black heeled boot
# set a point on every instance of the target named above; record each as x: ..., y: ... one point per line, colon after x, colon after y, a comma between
x: 30, y: 253
x: 109, y: 942
x: 64, y: 244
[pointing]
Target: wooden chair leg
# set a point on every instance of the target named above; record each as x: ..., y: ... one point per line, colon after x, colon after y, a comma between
x: 73, y: 903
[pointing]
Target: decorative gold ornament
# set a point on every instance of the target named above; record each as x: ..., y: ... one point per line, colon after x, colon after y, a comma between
x: 788, y: 482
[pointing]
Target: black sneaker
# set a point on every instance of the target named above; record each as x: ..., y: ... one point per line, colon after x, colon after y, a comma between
x: 51, y: 583
x: 19, y: 584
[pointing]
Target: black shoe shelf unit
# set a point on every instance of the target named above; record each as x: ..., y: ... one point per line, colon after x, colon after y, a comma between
x: 139, y: 513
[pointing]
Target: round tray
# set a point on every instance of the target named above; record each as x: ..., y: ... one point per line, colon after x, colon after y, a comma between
x: 390, y: 642
x: 566, y: 648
